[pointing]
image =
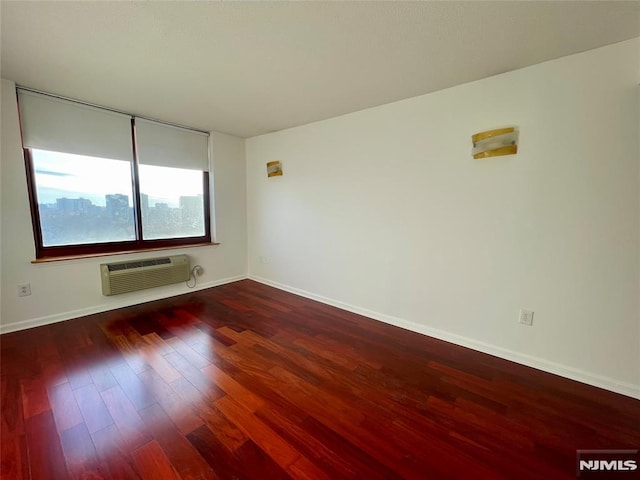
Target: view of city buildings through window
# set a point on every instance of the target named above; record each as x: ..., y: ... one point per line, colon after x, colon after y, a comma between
x: 85, y: 200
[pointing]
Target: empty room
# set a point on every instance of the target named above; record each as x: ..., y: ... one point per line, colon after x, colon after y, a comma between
x: 320, y: 240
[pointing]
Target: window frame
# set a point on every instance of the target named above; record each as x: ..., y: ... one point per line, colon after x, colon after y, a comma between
x: 112, y: 248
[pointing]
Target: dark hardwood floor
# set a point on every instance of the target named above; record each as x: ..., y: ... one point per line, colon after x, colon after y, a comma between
x: 245, y: 381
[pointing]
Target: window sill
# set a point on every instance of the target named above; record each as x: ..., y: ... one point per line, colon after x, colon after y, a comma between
x: 110, y: 254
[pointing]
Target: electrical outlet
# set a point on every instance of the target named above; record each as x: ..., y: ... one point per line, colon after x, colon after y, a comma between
x: 526, y: 317
x: 24, y: 290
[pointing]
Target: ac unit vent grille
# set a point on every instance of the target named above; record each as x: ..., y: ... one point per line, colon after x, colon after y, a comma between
x: 123, y: 277
x: 114, y: 267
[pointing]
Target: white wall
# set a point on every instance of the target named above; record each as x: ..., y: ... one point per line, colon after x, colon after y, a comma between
x: 68, y: 289
x: 385, y: 212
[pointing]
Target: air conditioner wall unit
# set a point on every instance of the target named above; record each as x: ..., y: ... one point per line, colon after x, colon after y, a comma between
x: 132, y: 275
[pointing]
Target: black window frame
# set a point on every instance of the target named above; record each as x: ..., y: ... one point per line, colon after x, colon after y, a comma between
x: 107, y: 248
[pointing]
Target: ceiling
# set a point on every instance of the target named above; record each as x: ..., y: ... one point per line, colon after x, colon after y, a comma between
x: 248, y: 68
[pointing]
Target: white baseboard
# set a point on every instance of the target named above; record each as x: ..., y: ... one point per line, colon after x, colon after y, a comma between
x: 528, y: 360
x: 126, y: 302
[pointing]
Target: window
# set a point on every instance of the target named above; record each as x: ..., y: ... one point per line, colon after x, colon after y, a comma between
x: 105, y: 182
x: 83, y: 200
x: 165, y: 190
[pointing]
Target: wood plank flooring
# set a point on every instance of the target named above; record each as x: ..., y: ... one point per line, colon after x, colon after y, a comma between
x: 244, y: 381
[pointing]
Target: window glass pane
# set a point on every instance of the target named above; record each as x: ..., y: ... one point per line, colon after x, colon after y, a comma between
x: 171, y: 202
x: 83, y: 199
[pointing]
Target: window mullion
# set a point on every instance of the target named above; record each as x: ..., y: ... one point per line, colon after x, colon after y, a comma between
x: 135, y: 179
